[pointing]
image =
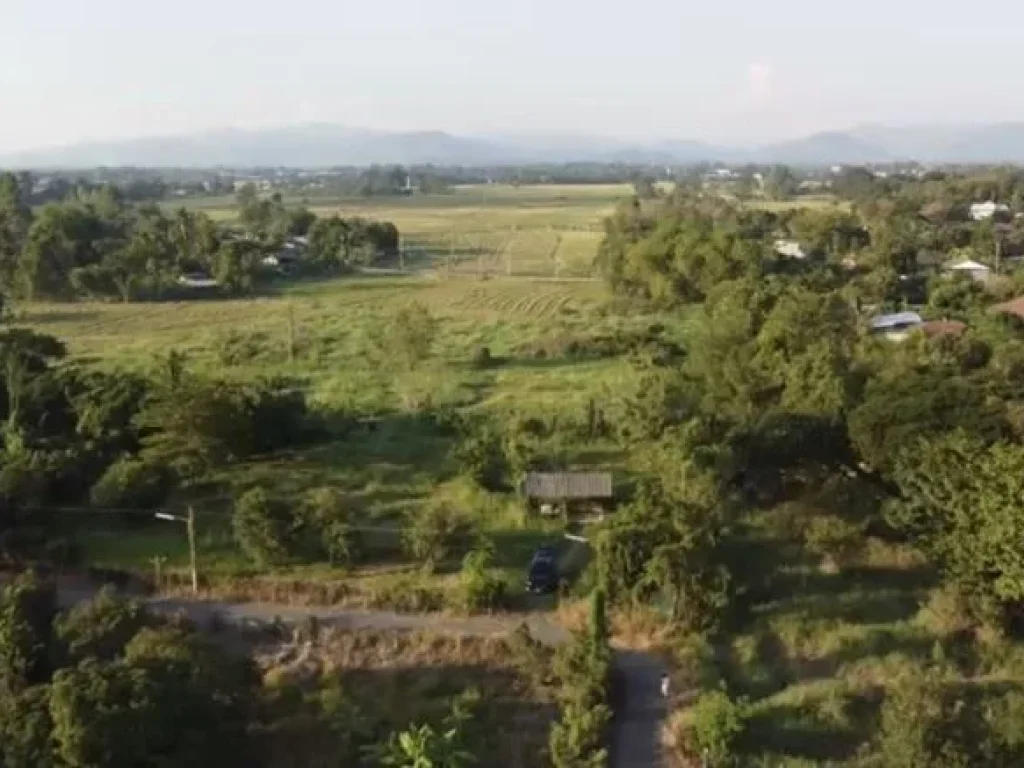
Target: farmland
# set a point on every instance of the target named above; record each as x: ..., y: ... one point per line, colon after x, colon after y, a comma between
x: 549, y: 230
x: 321, y: 333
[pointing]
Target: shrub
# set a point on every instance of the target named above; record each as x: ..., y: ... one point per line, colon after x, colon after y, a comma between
x: 482, y: 358
x: 261, y: 527
x: 132, y: 484
x: 325, y: 518
x: 482, y: 590
x: 833, y: 537
x: 718, y: 723
x: 432, y: 535
x: 100, y: 628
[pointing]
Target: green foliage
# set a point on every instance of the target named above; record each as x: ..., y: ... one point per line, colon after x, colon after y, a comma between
x: 482, y: 589
x: 718, y: 725
x: 435, y: 532
x: 132, y: 484
x: 409, y: 335
x: 25, y: 729
x: 99, y: 628
x: 959, y: 502
x: 325, y: 516
x: 668, y: 549
x: 423, y: 746
x: 262, y: 527
x: 27, y: 608
x: 583, y: 666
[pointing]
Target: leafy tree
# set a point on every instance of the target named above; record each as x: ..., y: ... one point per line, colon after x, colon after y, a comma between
x: 25, y: 729
x: 959, y: 500
x: 100, y: 628
x: 718, y: 724
x: 262, y: 527
x: 27, y: 608
x: 326, y: 517
x: 409, y: 335
x: 132, y: 484
x: 434, y: 532
x: 483, y: 590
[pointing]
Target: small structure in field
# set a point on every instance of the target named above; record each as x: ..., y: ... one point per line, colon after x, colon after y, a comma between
x: 972, y: 269
x: 569, y: 492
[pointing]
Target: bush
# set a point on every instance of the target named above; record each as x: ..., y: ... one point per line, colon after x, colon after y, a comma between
x: 435, y: 533
x: 482, y: 358
x: 262, y: 527
x: 100, y: 628
x: 325, y: 518
x: 718, y: 723
x: 482, y: 590
x: 132, y: 484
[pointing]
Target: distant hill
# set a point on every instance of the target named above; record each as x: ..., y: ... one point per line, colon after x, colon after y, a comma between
x: 321, y: 145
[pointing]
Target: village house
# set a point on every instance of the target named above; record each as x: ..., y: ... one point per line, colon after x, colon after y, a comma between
x: 972, y: 269
x: 982, y: 211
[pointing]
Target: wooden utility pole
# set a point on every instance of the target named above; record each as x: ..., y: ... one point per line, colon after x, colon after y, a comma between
x: 511, y: 247
x: 158, y: 563
x: 190, y: 523
x: 451, y: 250
x: 291, y: 333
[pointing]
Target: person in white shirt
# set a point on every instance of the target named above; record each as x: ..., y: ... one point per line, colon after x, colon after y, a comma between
x: 664, y: 685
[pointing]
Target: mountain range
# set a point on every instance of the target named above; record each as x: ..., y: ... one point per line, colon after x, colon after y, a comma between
x: 322, y: 145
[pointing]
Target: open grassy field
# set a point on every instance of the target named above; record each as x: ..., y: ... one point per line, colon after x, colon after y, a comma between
x: 481, y: 229
x: 403, y: 463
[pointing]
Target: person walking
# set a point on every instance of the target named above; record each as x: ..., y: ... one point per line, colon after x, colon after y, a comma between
x: 664, y: 685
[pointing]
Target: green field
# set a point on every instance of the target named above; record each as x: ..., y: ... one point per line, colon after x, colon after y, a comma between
x: 486, y: 229
x: 402, y: 464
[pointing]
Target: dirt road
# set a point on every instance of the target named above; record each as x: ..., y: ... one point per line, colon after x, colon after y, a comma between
x: 640, y: 709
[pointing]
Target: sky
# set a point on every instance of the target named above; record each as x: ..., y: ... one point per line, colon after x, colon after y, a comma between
x: 726, y: 71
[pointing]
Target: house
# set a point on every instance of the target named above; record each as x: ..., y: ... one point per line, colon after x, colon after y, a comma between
x: 565, y: 491
x: 790, y: 249
x: 197, y: 280
x: 973, y: 269
x: 982, y: 211
x: 896, y: 327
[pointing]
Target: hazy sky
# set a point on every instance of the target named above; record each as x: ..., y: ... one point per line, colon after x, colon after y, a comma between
x: 721, y: 70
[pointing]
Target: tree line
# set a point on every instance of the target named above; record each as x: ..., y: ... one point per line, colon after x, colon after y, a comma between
x: 95, y: 244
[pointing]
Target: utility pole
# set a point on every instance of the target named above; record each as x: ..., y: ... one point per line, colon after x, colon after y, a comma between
x: 190, y: 527
x: 511, y: 247
x: 158, y: 562
x: 451, y: 250
x: 191, y: 524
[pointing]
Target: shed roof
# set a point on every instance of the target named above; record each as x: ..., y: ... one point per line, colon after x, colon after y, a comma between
x: 885, y: 322
x: 568, y: 485
x: 970, y: 266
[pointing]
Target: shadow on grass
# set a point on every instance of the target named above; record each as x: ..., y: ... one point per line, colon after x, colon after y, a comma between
x: 797, y: 732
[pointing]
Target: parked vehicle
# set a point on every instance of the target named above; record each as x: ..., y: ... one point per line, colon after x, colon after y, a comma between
x: 542, y: 576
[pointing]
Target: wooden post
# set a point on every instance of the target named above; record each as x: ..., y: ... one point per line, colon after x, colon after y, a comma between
x: 291, y: 333
x: 190, y: 522
x: 158, y: 562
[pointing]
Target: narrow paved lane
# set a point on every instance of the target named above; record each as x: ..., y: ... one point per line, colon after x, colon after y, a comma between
x: 640, y: 710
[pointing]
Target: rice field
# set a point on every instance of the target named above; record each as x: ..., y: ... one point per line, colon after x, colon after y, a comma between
x: 542, y: 230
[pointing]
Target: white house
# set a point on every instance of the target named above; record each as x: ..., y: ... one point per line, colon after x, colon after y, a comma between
x: 982, y: 211
x: 973, y: 269
x: 790, y: 248
x: 896, y: 327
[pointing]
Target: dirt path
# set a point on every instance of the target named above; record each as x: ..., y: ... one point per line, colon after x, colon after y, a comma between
x: 639, y: 709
